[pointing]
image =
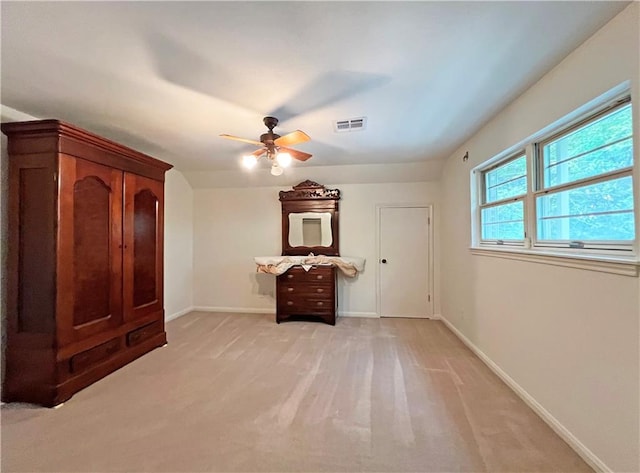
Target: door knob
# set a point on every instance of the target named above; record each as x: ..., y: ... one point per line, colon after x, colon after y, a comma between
x: 383, y: 261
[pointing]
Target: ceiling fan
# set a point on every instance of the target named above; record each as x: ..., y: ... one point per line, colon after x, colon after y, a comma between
x: 275, y: 146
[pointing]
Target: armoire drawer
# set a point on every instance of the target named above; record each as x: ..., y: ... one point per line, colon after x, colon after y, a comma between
x: 141, y: 334
x: 88, y: 358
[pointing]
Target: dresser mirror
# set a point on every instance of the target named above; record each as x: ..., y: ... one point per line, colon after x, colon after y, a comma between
x: 310, y: 229
x: 310, y: 220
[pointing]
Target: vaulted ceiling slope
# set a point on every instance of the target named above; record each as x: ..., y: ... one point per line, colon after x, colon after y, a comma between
x: 167, y: 78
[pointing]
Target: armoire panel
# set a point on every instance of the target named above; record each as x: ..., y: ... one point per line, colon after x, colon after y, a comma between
x: 92, y: 250
x: 145, y: 243
x: 89, y: 278
x: 36, y: 258
x: 143, y: 262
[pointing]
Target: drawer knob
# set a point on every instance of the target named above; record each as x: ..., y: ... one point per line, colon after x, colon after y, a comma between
x: 290, y: 289
x: 289, y: 303
x: 319, y: 276
x: 290, y: 276
x: 320, y: 303
x: 320, y: 289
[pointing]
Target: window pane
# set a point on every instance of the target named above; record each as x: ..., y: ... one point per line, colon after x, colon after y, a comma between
x: 508, y: 180
x: 503, y: 222
x: 598, y: 212
x: 601, y: 146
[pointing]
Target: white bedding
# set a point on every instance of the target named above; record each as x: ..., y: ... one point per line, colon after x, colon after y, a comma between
x: 349, y: 265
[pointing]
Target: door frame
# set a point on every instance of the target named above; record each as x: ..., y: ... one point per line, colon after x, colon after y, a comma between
x: 430, y: 267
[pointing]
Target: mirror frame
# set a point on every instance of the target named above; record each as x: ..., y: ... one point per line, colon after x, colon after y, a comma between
x: 309, y: 196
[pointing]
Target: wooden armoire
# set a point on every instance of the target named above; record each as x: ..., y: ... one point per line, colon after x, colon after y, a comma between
x: 85, y: 259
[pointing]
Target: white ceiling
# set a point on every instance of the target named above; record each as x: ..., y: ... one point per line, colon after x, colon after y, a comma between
x: 167, y: 78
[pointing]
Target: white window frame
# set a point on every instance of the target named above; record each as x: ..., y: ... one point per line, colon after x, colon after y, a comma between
x: 539, y: 190
x: 607, y: 256
x: 496, y: 203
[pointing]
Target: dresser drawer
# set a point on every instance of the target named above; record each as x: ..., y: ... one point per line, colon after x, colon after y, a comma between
x: 315, y: 274
x: 304, y: 302
x: 308, y: 289
x: 306, y: 306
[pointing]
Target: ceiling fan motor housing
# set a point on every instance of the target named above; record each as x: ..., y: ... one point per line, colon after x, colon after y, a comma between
x: 269, y: 138
x: 270, y: 122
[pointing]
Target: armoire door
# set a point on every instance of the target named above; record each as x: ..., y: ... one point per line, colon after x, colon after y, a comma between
x: 89, y: 254
x: 143, y: 224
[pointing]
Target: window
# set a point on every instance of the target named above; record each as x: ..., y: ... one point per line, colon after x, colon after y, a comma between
x: 585, y: 195
x: 571, y: 189
x: 502, y: 209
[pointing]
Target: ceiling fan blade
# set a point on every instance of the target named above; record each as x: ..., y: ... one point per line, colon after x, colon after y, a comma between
x: 292, y: 138
x: 295, y: 154
x: 326, y: 89
x: 259, y: 152
x: 244, y: 140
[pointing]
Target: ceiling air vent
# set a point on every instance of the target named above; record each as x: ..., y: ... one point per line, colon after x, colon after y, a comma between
x: 352, y: 124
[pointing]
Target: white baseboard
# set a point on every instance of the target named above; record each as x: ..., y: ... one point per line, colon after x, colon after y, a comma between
x: 178, y: 314
x: 587, y: 455
x: 366, y: 315
x: 373, y: 315
x: 236, y: 310
x: 270, y: 311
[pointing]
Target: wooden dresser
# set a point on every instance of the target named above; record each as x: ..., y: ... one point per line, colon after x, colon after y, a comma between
x: 85, y: 259
x: 307, y: 293
x: 301, y: 293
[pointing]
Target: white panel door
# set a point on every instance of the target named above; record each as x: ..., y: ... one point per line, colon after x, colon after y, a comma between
x: 404, y: 262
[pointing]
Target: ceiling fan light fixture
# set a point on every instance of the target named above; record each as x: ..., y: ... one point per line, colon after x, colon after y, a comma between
x: 284, y: 159
x: 249, y: 161
x: 276, y: 170
x: 269, y: 145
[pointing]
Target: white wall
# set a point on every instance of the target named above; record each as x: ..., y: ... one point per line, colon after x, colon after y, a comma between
x: 231, y: 226
x: 569, y: 337
x: 178, y: 245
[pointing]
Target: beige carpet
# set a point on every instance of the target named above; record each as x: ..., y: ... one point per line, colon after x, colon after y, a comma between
x: 239, y: 393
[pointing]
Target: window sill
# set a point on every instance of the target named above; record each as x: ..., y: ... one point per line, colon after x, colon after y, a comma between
x: 625, y: 265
